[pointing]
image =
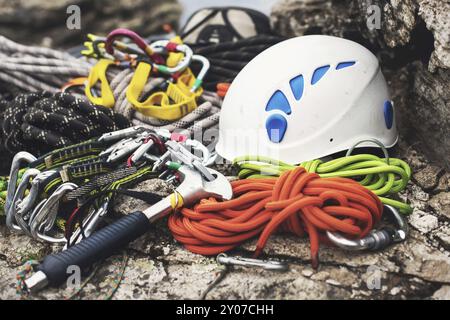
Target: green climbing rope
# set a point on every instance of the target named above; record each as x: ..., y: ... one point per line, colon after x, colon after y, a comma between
x: 383, y: 177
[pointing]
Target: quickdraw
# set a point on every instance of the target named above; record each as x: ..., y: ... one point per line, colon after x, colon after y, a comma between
x: 92, y: 170
x: 168, y: 58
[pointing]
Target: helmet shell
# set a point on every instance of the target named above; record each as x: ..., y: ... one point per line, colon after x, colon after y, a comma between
x: 305, y: 98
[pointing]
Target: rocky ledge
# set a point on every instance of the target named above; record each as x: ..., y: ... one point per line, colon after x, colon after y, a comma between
x: 157, y: 267
x: 413, y: 45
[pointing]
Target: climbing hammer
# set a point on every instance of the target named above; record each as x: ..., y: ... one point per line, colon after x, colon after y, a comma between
x: 103, y: 243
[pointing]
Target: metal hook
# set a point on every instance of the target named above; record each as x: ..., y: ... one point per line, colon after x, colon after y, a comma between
x: 377, y: 239
x: 46, y: 216
x: 375, y: 141
x: 26, y: 205
x: 273, y: 265
x: 13, y: 175
x: 11, y: 216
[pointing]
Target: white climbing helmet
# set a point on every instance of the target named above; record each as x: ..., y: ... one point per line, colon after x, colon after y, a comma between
x: 305, y: 98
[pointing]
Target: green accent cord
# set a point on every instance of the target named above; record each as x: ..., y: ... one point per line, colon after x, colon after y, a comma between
x: 369, y: 170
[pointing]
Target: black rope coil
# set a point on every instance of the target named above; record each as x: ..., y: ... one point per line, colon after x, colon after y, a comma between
x: 42, y: 121
x: 229, y: 58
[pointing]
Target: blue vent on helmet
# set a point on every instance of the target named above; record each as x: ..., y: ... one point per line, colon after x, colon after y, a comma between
x: 388, y: 114
x: 276, y: 126
x: 297, y: 85
x: 345, y: 64
x: 278, y: 101
x: 319, y: 73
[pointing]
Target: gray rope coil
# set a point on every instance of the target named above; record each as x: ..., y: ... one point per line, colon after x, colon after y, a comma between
x: 32, y: 68
x: 37, y: 69
x: 206, y: 115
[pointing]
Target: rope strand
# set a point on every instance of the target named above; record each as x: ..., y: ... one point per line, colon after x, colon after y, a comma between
x: 297, y: 202
x: 369, y: 170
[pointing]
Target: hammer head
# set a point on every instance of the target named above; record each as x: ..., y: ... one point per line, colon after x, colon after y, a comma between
x: 195, y: 187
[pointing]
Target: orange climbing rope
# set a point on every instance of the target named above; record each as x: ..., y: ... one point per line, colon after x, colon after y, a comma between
x: 297, y: 202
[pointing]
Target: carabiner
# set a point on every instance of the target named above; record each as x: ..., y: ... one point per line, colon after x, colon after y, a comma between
x: 13, y: 175
x: 374, y: 141
x: 137, y: 39
x: 162, y: 46
x: 89, y: 224
x: 196, y: 145
x: 45, y: 218
x: 139, y: 153
x: 272, y: 265
x: 120, y: 134
x: 377, y: 239
x: 125, y: 149
x: 11, y: 215
x: 203, y: 71
x: 27, y: 204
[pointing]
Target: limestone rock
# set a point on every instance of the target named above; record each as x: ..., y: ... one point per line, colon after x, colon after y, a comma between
x: 428, y: 177
x: 444, y: 183
x: 442, y: 294
x: 444, y: 236
x: 441, y: 203
x: 47, y: 19
x: 424, y: 223
x: 436, y: 15
x: 413, y: 34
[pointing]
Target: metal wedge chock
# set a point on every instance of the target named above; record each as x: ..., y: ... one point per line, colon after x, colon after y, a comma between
x: 376, y: 239
x: 103, y: 243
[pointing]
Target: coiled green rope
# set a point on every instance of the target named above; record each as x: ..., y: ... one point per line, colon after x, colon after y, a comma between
x: 383, y: 177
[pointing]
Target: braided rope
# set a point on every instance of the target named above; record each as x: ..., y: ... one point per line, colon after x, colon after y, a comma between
x: 228, y: 58
x: 33, y: 68
x: 36, y: 69
x: 298, y: 202
x: 382, y: 177
x: 42, y: 121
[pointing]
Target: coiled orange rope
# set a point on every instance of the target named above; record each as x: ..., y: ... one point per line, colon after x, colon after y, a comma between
x: 298, y: 202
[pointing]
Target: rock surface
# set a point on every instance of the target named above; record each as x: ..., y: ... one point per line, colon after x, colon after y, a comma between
x: 157, y: 267
x: 413, y: 40
x: 48, y: 19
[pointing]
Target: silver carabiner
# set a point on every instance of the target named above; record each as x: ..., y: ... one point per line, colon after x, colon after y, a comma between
x: 161, y: 161
x: 374, y: 141
x: 27, y: 204
x: 44, y: 219
x: 377, y: 239
x: 11, y: 214
x: 139, y: 153
x: 121, y: 134
x: 272, y: 265
x: 125, y: 149
x: 13, y: 175
x: 196, y: 145
x: 89, y: 224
